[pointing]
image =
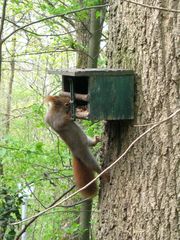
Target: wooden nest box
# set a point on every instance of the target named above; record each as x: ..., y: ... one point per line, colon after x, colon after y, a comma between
x: 99, y: 94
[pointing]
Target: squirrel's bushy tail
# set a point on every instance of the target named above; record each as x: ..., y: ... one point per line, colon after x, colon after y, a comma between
x: 83, y: 176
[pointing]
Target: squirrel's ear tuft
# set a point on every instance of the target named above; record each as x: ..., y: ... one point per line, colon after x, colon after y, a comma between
x: 52, y: 99
x: 47, y: 99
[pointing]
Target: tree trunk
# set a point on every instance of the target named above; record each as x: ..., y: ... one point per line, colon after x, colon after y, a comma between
x: 82, y: 60
x: 82, y: 37
x: 95, y: 27
x: 85, y: 220
x: 94, y: 42
x: 4, y: 5
x: 0, y: 63
x: 11, y: 80
x: 141, y: 201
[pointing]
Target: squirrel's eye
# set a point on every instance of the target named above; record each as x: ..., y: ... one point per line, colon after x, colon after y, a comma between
x: 67, y: 107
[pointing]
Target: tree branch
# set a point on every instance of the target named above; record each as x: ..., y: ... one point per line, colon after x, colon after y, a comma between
x: 63, y: 17
x: 41, y: 35
x: 75, y: 204
x: 53, y: 51
x: 153, y: 7
x: 23, y: 150
x: 33, y: 219
x: 54, y: 16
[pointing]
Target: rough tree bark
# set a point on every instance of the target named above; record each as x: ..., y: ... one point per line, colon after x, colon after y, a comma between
x: 96, y: 25
x: 82, y: 37
x: 141, y: 201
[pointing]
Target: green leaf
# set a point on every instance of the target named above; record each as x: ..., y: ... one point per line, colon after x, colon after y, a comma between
x: 2, y: 152
x: 39, y: 146
x: 98, y: 14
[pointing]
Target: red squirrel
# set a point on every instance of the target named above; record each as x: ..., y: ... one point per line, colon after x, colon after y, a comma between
x: 84, y: 163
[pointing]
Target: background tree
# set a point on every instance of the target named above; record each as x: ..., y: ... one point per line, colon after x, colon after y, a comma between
x: 94, y: 26
x: 142, y: 200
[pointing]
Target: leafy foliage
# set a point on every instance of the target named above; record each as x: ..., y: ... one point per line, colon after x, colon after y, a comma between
x: 30, y: 153
x: 9, y: 211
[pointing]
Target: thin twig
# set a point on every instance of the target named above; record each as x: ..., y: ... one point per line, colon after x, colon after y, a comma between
x: 23, y: 150
x: 105, y: 170
x: 144, y: 125
x: 54, y: 16
x: 33, y: 219
x: 37, y: 34
x: 71, y: 211
x: 153, y: 7
x: 51, y: 51
x: 75, y: 204
x: 14, y: 117
x: 32, y: 192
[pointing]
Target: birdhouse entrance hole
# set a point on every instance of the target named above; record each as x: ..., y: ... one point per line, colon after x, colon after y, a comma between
x: 80, y: 86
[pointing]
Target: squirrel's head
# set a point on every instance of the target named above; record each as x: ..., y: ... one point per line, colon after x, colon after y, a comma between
x: 60, y: 102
